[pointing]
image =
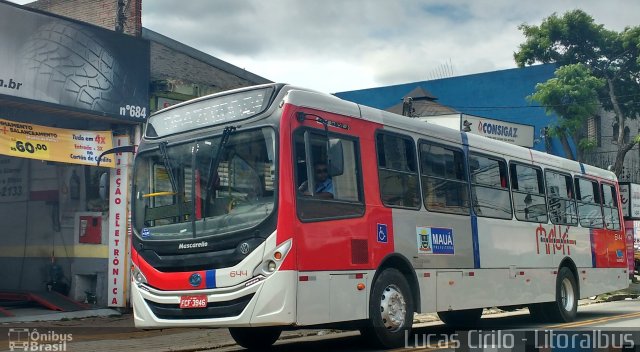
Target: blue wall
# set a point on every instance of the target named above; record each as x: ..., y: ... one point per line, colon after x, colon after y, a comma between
x: 499, y: 95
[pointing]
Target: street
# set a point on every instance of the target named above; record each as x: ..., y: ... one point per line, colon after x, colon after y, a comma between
x: 619, y: 316
x: 118, y: 334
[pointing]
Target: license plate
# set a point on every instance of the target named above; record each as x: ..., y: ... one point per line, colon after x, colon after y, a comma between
x: 193, y: 302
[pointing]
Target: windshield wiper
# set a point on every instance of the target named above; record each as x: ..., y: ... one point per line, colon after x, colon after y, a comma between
x: 168, y: 167
x: 213, y: 166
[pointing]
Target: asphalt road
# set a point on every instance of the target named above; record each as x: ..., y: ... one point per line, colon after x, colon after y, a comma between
x: 497, y: 330
x: 620, y: 321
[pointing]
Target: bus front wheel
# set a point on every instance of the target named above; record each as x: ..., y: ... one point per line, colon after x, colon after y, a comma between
x: 391, y: 310
x: 260, y: 338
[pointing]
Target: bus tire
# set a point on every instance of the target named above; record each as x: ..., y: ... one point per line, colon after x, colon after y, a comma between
x: 461, y: 318
x: 565, y: 307
x: 260, y: 338
x: 391, y: 308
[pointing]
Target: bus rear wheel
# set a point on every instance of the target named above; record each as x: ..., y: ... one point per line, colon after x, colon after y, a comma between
x: 391, y: 310
x: 461, y: 318
x: 565, y: 307
x: 255, y: 338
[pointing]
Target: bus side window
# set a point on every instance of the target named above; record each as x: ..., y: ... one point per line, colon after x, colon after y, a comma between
x: 339, y: 192
x: 610, y: 207
x: 562, y: 206
x: 397, y: 171
x: 589, y: 209
x: 489, y: 197
x: 444, y: 180
x: 528, y: 193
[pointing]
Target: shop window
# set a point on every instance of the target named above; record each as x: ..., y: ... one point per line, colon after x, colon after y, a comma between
x: 97, y: 186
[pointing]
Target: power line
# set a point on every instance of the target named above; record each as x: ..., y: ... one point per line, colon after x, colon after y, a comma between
x: 506, y: 107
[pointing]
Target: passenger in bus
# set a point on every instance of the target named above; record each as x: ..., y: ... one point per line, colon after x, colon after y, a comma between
x: 323, y: 183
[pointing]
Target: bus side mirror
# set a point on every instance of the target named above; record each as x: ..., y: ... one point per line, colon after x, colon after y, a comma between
x: 103, y: 186
x: 123, y: 149
x: 335, y: 157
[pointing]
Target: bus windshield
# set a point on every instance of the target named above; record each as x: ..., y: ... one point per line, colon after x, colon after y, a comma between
x: 207, y: 187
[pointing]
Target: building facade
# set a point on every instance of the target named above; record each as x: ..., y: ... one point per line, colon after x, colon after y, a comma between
x: 65, y: 217
x: 69, y: 92
x: 502, y: 95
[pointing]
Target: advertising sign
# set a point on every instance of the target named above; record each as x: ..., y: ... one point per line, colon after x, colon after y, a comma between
x: 624, y: 199
x: 118, y: 195
x: 25, y: 140
x: 53, y: 60
x: 513, y: 133
x: 435, y: 240
x: 13, y: 179
x: 634, y: 201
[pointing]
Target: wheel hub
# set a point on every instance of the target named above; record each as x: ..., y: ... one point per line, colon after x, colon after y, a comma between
x: 567, y: 295
x: 393, y: 308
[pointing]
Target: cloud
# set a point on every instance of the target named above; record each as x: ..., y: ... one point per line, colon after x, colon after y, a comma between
x: 349, y: 44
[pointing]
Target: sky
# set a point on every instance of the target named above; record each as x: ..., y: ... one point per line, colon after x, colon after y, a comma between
x: 341, y: 45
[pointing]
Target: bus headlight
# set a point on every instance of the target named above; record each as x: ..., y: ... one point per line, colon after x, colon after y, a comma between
x: 270, y: 266
x: 137, y: 275
x: 272, y: 260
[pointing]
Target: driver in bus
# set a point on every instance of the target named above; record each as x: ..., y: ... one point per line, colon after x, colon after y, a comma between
x: 323, y: 183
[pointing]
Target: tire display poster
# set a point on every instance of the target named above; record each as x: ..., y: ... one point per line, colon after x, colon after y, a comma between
x: 77, y: 65
x: 25, y: 140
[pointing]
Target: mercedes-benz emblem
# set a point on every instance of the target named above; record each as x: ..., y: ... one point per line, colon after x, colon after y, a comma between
x: 195, y: 279
x: 244, y: 248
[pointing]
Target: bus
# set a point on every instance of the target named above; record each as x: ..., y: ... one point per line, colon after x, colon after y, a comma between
x: 275, y: 207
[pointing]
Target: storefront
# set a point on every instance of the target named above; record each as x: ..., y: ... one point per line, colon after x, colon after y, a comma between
x: 68, y: 91
x: 630, y: 197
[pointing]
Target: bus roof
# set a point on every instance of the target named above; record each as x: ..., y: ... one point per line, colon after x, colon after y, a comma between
x: 326, y: 102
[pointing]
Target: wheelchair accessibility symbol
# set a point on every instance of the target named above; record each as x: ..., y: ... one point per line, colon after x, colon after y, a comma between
x: 382, y: 233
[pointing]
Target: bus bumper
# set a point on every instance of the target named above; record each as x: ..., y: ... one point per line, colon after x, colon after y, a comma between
x: 270, y: 301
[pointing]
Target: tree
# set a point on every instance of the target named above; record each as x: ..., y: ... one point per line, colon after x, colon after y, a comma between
x: 572, y: 95
x: 610, y: 56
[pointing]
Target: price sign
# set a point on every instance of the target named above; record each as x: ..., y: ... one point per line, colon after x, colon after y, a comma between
x: 13, y: 179
x: 31, y: 141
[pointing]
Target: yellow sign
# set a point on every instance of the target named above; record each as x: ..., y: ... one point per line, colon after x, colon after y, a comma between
x: 25, y: 140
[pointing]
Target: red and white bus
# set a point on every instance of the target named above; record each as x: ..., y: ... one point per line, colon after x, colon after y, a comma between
x: 275, y: 207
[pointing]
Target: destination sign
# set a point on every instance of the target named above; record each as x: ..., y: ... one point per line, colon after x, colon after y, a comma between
x: 208, y: 112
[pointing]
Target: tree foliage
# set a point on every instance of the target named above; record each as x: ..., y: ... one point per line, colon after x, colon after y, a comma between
x: 610, y: 56
x: 573, y: 95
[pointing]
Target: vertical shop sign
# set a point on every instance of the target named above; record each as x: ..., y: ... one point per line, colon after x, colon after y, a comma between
x: 118, y: 197
x: 624, y: 199
x: 630, y: 244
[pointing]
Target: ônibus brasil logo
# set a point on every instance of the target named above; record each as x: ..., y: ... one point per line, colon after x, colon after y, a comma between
x: 34, y: 340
